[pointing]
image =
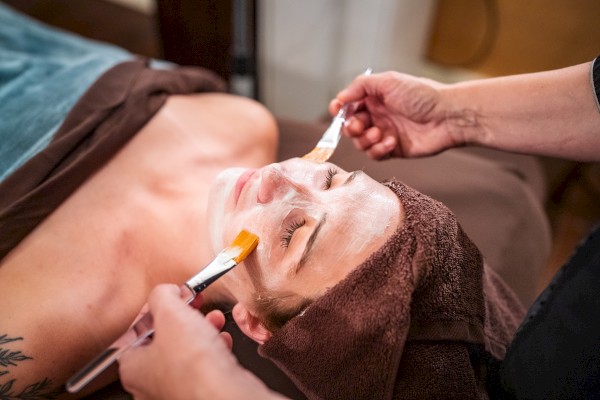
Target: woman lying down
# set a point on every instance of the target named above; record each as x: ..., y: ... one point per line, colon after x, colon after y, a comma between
x: 356, y: 289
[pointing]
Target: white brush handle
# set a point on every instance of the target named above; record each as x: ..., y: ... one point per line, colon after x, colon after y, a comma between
x: 143, y: 328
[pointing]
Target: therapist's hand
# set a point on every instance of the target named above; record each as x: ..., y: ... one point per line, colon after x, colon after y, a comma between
x: 398, y: 116
x: 187, y: 358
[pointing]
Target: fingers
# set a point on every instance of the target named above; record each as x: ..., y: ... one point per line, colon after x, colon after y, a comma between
x: 163, y: 294
x: 169, y: 310
x: 383, y: 149
x: 375, y: 144
x: 227, y: 339
x: 355, y: 91
x: 196, y: 302
x: 135, y: 369
x: 366, y: 140
x: 173, y: 318
x: 182, y: 337
x: 356, y: 125
x: 168, y: 307
x: 334, y: 106
x: 216, y: 318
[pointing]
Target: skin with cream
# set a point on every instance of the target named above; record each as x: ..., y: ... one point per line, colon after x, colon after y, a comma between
x: 316, y: 222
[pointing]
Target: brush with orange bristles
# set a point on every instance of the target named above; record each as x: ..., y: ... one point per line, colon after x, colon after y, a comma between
x: 244, y: 243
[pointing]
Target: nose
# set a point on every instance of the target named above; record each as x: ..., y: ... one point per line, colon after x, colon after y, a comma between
x: 276, y: 184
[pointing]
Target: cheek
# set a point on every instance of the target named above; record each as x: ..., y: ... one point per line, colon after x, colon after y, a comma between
x: 259, y: 272
x: 219, y: 204
x: 244, y: 281
x: 265, y: 225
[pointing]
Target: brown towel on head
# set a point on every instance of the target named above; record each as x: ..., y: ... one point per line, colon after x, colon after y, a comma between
x: 410, y: 322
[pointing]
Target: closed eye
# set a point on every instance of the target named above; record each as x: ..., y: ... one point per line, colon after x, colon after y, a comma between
x: 331, y: 172
x: 286, y: 238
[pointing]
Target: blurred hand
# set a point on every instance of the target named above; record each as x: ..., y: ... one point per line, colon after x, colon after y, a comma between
x: 398, y: 115
x: 188, y: 357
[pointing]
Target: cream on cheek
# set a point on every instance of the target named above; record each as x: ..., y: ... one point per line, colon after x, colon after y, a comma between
x: 269, y: 265
x: 274, y: 260
x: 218, y: 217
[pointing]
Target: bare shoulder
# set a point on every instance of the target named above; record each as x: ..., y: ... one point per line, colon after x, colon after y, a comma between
x: 224, y: 122
x: 77, y: 281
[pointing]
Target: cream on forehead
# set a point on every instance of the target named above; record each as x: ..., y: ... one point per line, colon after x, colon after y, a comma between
x: 371, y: 213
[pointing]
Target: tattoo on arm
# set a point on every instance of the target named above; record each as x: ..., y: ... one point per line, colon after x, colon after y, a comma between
x: 10, y: 358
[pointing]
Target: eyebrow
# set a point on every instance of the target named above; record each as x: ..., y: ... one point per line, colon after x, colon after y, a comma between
x: 352, y: 176
x: 315, y: 232
x: 310, y: 242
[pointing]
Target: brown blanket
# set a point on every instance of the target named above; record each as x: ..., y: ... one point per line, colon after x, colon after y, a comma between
x: 110, y: 113
x: 421, y: 318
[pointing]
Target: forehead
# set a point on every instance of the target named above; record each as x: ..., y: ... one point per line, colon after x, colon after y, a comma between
x: 363, y: 208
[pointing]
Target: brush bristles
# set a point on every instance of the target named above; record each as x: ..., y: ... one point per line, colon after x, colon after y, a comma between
x: 319, y: 154
x: 244, y: 243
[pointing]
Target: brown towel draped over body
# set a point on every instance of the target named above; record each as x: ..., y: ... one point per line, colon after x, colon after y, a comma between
x: 110, y: 113
x: 419, y: 319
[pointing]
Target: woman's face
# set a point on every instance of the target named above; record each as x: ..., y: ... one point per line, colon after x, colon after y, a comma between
x: 316, y: 222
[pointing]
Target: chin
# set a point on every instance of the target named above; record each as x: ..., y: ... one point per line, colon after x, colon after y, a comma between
x: 220, y: 200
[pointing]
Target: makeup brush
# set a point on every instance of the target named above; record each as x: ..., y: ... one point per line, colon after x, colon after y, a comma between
x: 330, y: 139
x: 244, y: 243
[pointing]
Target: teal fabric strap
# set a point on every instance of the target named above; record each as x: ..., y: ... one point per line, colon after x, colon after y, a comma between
x: 595, y: 80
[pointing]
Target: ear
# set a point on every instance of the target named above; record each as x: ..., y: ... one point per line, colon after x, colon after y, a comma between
x: 249, y: 324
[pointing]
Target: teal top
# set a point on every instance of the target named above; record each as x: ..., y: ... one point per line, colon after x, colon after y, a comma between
x: 43, y: 72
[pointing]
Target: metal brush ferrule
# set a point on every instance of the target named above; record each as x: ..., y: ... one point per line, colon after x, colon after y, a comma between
x: 211, y: 273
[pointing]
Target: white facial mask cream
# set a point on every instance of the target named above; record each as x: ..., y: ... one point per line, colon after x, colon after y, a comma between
x: 223, y: 184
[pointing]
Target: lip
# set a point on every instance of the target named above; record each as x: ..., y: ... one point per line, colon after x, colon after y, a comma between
x: 241, y: 182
